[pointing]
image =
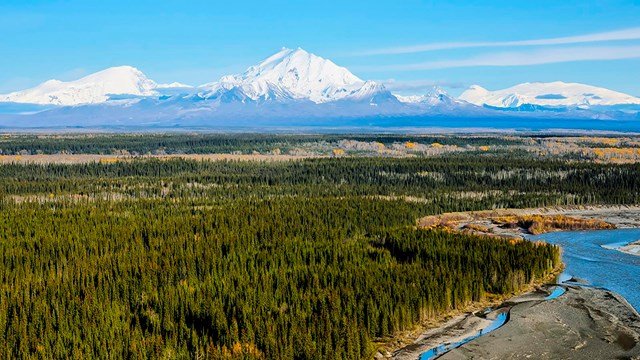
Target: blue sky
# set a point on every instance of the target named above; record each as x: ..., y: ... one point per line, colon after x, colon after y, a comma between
x: 409, y: 44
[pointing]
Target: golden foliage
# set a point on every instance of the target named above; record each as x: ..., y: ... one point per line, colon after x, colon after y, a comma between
x: 613, y: 154
x: 539, y: 224
x: 448, y: 220
x: 479, y: 222
x: 108, y: 160
x: 477, y: 227
x: 241, y: 351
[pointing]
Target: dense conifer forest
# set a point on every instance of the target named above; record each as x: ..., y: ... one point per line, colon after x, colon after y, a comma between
x: 208, y: 143
x: 306, y: 259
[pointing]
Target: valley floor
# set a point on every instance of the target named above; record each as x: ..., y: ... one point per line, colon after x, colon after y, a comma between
x: 271, y: 251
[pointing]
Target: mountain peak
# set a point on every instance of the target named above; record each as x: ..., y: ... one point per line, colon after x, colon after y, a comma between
x: 477, y: 88
x: 369, y: 88
x: 301, y: 74
x: 437, y: 91
x: 91, y: 89
x: 436, y: 96
x: 118, y: 76
x: 122, y: 69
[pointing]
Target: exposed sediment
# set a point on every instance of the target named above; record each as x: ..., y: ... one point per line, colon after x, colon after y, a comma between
x: 584, y: 323
x: 632, y: 248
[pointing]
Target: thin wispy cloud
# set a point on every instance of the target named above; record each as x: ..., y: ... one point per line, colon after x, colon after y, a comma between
x: 618, y: 35
x: 523, y: 58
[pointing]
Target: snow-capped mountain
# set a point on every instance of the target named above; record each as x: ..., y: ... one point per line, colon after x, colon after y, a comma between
x: 437, y: 102
x: 92, y: 89
x: 437, y: 96
x: 552, y: 94
x: 230, y: 89
x: 294, y: 75
x: 291, y: 88
x: 372, y: 93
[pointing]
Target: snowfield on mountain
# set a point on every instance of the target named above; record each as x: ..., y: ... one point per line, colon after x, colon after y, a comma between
x: 292, y: 74
x: 91, y: 89
x: 556, y: 93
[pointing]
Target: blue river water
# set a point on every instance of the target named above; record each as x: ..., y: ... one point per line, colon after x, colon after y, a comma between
x: 500, y: 319
x: 591, y: 256
x: 435, y: 352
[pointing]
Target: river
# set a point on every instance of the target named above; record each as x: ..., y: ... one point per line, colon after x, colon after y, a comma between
x: 591, y: 256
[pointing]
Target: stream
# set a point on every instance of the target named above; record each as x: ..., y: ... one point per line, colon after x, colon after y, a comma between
x: 501, y: 318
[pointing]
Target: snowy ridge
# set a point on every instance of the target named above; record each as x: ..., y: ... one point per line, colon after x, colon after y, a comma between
x: 373, y: 93
x: 92, y: 89
x: 551, y: 94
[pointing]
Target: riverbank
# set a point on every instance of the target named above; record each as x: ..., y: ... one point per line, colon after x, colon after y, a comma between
x: 516, y: 223
x: 584, y: 323
x: 632, y: 248
x: 465, y: 326
x: 622, y: 216
x: 411, y: 341
x: 584, y: 317
x: 447, y: 327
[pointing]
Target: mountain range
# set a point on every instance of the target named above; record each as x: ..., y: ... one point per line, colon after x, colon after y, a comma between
x: 291, y: 87
x: 547, y: 94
